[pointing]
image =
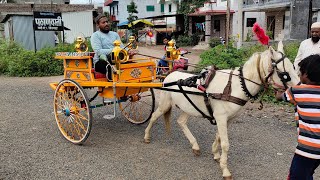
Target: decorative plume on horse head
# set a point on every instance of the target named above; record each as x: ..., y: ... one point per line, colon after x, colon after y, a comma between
x: 223, y: 93
x: 260, y: 33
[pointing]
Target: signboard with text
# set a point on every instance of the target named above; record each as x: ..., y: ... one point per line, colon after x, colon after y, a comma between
x: 47, y: 21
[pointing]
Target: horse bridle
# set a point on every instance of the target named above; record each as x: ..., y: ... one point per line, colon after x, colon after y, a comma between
x: 284, y: 76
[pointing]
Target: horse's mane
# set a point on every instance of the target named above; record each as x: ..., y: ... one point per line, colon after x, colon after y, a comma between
x: 251, y: 64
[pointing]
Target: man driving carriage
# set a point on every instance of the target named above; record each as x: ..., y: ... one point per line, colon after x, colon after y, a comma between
x: 102, y: 44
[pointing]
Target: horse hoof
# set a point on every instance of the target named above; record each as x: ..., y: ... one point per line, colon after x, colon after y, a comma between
x: 227, y: 178
x: 196, y: 152
x: 147, y: 141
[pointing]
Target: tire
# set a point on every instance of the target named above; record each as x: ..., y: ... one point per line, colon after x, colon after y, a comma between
x: 72, y: 111
x: 138, y: 108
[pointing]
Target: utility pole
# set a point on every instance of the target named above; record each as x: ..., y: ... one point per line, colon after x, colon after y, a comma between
x: 310, y: 17
x: 240, y: 23
x: 228, y: 23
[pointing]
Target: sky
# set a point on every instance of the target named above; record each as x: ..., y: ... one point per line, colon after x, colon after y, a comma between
x: 86, y: 1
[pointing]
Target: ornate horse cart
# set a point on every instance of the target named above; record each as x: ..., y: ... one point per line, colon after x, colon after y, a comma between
x: 130, y: 88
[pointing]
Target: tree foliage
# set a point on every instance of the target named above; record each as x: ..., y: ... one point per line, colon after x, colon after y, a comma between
x: 189, y: 6
x: 132, y: 10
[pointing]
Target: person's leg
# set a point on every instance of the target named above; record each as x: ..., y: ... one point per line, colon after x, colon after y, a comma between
x: 302, y: 168
x: 100, y: 67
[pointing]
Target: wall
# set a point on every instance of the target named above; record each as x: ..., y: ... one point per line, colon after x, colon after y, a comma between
x: 260, y: 16
x: 80, y: 23
x: 299, y: 20
x: 141, y: 8
x: 278, y: 31
x: 12, y: 8
x: 41, y: 1
x: 23, y: 34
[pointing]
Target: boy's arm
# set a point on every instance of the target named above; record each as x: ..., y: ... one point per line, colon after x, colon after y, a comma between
x: 279, y: 95
x: 286, y: 96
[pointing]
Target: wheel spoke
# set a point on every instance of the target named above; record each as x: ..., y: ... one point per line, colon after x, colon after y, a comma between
x: 74, y: 126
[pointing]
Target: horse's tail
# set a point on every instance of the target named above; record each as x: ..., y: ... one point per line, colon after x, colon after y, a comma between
x: 167, y: 120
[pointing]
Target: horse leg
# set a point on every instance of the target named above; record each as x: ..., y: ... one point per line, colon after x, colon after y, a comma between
x: 164, y: 107
x: 224, y: 141
x: 215, y: 148
x: 182, y: 121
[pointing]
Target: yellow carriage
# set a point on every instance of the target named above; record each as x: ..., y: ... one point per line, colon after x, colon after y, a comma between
x: 130, y: 88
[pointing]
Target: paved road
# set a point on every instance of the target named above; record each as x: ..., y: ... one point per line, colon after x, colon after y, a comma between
x: 31, y: 146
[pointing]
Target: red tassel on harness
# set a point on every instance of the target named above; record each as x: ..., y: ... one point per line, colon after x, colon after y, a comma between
x: 261, y: 35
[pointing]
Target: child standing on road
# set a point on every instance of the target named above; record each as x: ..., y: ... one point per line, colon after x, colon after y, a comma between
x: 306, y: 98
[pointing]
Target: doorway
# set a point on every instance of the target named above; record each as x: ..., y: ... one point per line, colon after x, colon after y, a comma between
x: 271, y: 24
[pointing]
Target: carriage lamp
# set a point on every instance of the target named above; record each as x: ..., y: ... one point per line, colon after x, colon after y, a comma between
x: 172, y: 53
x: 81, y: 45
x: 119, y: 55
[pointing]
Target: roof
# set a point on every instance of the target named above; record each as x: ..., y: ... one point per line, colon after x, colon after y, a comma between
x: 161, y: 16
x: 7, y: 16
x: 210, y: 12
x: 110, y: 2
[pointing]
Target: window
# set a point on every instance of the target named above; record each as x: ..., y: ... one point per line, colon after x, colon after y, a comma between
x: 217, y: 25
x: 162, y: 8
x: 150, y: 8
x: 251, y: 21
x: 169, y: 7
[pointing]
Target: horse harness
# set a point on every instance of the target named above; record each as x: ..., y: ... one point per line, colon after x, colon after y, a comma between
x: 226, y: 95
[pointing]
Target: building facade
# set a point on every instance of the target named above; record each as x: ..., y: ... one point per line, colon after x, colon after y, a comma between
x: 18, y: 23
x: 210, y: 20
x: 286, y: 19
x: 119, y: 13
x: 42, y: 1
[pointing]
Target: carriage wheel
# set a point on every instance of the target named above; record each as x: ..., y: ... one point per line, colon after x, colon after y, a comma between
x: 72, y: 111
x: 139, y: 107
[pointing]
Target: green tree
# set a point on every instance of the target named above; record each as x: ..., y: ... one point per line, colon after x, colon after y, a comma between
x: 113, y: 25
x: 132, y: 10
x: 186, y: 7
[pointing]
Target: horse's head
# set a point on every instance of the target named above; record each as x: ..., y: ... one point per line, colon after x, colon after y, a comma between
x: 278, y: 69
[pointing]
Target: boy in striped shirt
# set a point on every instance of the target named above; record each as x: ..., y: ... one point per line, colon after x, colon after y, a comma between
x: 306, y: 98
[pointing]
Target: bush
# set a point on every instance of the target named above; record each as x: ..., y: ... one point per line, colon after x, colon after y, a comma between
x: 214, y: 42
x: 185, y: 40
x: 291, y: 50
x: 222, y: 57
x: 16, y: 61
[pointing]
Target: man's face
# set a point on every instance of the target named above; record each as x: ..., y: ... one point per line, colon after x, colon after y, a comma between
x: 104, y: 25
x: 315, y: 34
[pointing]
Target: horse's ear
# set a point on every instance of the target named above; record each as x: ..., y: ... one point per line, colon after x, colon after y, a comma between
x: 280, y: 47
x: 272, y: 51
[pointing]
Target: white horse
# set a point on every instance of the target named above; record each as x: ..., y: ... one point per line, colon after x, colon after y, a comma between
x: 255, y: 71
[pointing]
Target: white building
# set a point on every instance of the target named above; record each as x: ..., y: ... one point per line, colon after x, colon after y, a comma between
x: 214, y: 13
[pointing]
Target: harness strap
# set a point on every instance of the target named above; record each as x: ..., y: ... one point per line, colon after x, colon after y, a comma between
x: 232, y: 99
x: 210, y: 118
x: 210, y: 76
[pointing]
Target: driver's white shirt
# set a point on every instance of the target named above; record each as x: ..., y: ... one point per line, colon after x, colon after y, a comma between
x: 307, y: 48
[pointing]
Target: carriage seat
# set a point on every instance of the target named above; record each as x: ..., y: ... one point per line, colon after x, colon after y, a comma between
x: 98, y: 75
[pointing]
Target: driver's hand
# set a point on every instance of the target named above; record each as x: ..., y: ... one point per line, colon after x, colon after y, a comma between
x: 132, y: 52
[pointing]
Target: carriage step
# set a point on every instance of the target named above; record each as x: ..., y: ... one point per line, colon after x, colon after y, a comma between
x: 108, y: 102
x: 109, y: 116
